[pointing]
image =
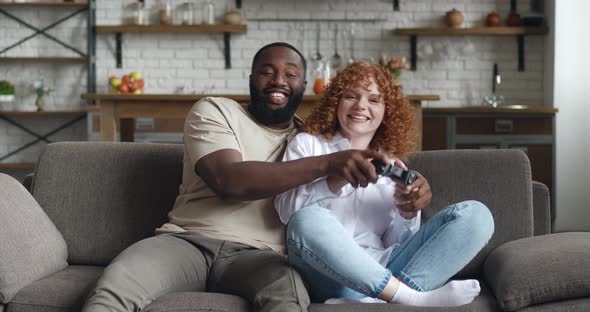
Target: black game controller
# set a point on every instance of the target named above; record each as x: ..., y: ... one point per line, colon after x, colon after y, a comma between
x: 406, y: 177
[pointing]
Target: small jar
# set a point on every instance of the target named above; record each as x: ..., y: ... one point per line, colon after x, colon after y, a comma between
x: 165, y: 13
x: 208, y: 13
x: 136, y: 13
x: 232, y: 17
x: 186, y: 13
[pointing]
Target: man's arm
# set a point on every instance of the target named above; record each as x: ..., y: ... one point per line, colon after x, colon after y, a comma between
x: 230, y: 177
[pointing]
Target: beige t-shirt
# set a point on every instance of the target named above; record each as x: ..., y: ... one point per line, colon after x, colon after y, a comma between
x: 211, y: 125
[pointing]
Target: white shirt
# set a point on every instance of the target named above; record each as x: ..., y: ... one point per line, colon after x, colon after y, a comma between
x: 368, y: 214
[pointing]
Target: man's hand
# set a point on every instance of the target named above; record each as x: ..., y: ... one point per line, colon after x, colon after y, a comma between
x: 412, y: 198
x: 354, y: 167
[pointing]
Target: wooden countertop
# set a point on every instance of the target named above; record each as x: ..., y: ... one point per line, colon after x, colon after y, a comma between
x: 512, y: 109
x: 195, y: 97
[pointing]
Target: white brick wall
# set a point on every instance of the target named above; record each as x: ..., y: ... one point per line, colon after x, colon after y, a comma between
x: 459, y: 69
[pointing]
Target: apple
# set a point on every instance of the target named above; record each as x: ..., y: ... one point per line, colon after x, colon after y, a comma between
x: 123, y: 88
x: 114, y: 90
x: 115, y: 82
x: 137, y: 91
x: 126, y: 79
x: 140, y: 83
x: 136, y: 75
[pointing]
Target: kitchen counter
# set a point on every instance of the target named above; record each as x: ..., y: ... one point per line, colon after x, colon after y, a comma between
x: 511, y: 109
x: 122, y: 109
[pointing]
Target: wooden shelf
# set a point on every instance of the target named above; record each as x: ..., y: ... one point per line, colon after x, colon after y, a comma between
x: 475, y: 31
x: 118, y: 30
x: 215, y: 28
x: 24, y: 166
x: 43, y: 113
x: 61, y: 59
x: 45, y: 4
x: 519, y: 32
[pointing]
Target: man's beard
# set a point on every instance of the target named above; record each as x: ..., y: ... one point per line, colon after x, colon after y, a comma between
x: 267, y: 116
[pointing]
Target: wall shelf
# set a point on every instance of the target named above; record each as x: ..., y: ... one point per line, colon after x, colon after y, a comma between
x: 519, y: 32
x: 215, y: 28
x: 8, y: 116
x: 64, y: 59
x: 43, y: 113
x: 17, y: 166
x: 45, y: 4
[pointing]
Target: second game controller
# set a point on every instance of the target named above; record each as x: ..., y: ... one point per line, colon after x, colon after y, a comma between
x: 406, y: 177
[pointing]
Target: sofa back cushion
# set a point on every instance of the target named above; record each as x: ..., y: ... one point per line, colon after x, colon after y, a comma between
x: 104, y: 197
x: 501, y: 179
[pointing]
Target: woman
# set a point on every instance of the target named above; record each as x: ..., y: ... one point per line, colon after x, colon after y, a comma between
x: 364, y: 243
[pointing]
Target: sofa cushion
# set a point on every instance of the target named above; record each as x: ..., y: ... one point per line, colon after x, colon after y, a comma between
x: 65, y: 290
x: 201, y: 302
x: 500, y: 179
x: 198, y: 301
x: 574, y: 305
x: 30, y: 245
x: 485, y: 302
x: 540, y: 269
x: 104, y: 197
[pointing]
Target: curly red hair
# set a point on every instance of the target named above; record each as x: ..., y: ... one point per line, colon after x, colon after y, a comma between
x: 397, y: 133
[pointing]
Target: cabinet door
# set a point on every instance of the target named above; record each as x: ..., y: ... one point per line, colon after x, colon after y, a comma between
x: 541, y: 158
x: 434, y: 133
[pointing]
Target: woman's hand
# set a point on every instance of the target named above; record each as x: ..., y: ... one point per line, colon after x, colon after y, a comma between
x: 412, y: 198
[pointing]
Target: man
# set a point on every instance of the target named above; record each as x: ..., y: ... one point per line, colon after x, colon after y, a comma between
x: 224, y: 235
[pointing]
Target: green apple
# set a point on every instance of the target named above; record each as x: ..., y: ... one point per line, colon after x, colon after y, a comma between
x: 115, y: 82
x: 136, y: 75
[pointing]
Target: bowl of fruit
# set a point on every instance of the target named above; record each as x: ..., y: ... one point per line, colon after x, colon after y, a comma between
x: 128, y: 84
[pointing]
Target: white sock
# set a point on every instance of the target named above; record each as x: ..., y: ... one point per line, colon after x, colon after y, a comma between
x: 453, y: 293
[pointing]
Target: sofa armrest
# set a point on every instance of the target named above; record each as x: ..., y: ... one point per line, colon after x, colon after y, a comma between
x: 541, y: 209
x: 28, y: 182
x: 539, y: 269
x: 30, y: 245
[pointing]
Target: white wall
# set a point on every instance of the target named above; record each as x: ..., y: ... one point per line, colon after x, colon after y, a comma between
x: 572, y: 98
x: 458, y: 69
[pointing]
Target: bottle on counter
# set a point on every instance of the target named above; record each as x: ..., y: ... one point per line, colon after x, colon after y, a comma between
x: 208, y: 12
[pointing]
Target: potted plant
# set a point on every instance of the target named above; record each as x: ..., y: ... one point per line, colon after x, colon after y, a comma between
x: 6, y: 91
x: 41, y: 90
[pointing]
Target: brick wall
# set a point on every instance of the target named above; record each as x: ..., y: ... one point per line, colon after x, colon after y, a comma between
x: 459, y: 69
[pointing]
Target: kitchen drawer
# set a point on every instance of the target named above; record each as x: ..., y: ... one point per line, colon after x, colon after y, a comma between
x: 504, y: 125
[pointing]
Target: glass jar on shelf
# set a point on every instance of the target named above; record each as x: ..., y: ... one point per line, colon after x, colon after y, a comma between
x: 208, y: 12
x: 322, y: 74
x: 165, y: 12
x: 136, y: 14
x: 185, y: 12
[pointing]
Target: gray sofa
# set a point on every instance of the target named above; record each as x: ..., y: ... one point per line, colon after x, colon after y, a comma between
x: 102, y: 197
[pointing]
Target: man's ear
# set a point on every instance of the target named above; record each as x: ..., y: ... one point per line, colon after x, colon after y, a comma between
x: 305, y: 85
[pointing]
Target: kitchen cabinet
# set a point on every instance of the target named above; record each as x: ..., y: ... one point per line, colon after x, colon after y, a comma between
x: 531, y: 130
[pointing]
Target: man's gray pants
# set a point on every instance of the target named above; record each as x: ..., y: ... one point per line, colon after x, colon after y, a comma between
x: 177, y: 263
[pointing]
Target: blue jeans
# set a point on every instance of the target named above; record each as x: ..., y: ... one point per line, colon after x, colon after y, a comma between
x: 335, y: 266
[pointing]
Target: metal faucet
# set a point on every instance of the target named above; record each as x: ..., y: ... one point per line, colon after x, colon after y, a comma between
x: 496, y: 80
x: 494, y: 100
